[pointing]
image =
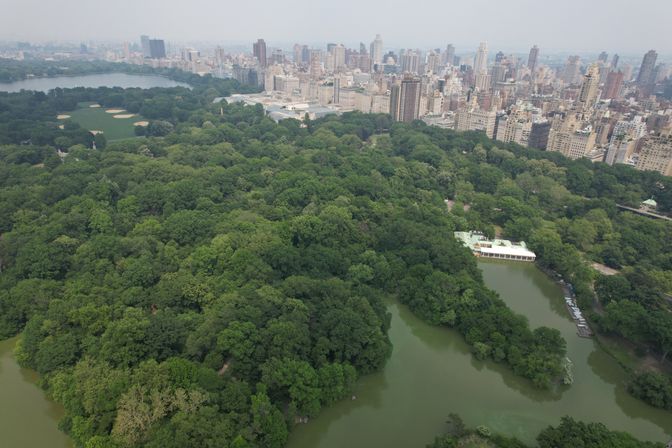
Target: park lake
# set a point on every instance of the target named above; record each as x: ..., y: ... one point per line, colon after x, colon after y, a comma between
x: 430, y: 374
x: 98, y: 80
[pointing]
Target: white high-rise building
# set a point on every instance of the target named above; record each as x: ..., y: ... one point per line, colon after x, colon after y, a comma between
x: 339, y: 57
x: 376, y: 50
x: 481, y: 60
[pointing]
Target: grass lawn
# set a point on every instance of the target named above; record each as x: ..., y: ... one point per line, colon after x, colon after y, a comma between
x: 97, y: 119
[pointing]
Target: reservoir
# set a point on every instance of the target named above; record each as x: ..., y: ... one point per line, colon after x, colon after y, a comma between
x: 99, y: 80
x: 431, y: 373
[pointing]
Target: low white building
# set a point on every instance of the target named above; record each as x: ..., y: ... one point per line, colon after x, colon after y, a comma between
x: 497, y: 248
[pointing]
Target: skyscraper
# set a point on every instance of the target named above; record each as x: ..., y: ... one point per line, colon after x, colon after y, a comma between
x: 614, y: 62
x: 297, y: 52
x: 449, y: 55
x: 590, y: 86
x: 410, y: 61
x: 157, y: 49
x: 497, y: 73
x: 481, y: 61
x: 144, y: 43
x: 645, y: 76
x: 612, y: 88
x: 405, y: 100
x: 533, y: 59
x: 603, y: 57
x: 376, y: 51
x: 259, y: 50
x: 127, y: 51
x: 338, y: 53
x: 315, y: 64
x: 572, y: 70
x: 433, y: 62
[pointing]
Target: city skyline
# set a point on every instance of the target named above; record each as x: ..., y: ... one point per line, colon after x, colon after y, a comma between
x: 463, y: 25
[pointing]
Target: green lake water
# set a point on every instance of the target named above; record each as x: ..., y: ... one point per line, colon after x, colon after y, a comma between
x: 430, y: 374
x: 27, y: 418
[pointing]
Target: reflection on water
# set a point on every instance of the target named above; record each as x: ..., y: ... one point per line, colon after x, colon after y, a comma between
x: 431, y: 374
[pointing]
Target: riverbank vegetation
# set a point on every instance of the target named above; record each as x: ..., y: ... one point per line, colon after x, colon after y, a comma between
x: 568, y: 434
x: 567, y: 212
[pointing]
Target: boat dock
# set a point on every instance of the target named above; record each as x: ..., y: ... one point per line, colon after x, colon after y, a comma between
x: 582, y: 327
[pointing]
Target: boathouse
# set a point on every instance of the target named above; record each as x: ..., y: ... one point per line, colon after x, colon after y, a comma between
x: 497, y: 248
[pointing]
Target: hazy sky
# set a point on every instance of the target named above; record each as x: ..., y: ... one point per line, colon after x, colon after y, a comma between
x: 622, y: 26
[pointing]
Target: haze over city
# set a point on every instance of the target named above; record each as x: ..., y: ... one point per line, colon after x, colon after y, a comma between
x: 326, y: 224
x: 568, y: 26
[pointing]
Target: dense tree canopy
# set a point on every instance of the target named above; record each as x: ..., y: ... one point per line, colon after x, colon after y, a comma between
x: 215, y: 281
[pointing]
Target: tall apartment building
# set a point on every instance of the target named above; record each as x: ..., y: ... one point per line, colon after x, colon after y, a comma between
x: 433, y: 62
x: 144, y: 43
x: 315, y: 64
x: 513, y: 129
x: 297, y: 54
x: 380, y: 104
x: 410, y: 62
x: 259, y: 51
x: 646, y: 71
x: 655, y: 153
x: 590, y: 87
x: 338, y: 53
x: 533, y: 59
x: 376, y: 52
x: 614, y: 62
x: 571, y: 137
x: 620, y: 149
x: 539, y: 134
x: 405, y: 100
x: 476, y: 119
x: 613, y: 86
x: 571, y: 73
x: 481, y: 60
x: 449, y: 55
x: 157, y: 49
